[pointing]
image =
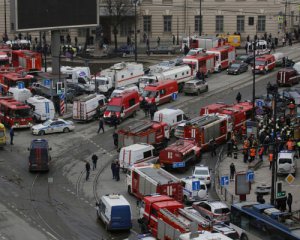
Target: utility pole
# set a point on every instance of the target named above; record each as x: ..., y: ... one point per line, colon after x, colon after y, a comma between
x: 253, y: 77
x: 5, y: 27
x: 285, y: 22
x: 135, y: 29
x: 200, y: 19
x: 177, y: 42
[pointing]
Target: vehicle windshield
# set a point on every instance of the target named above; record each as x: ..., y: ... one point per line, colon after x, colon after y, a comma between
x: 190, y: 85
x: 4, y: 62
x: 222, y: 211
x: 146, y: 80
x: 235, y: 65
x: 192, y: 52
x: 21, y: 113
x: 115, y: 93
x: 113, y: 108
x: 101, y: 82
x: 242, y: 57
x: 47, y: 123
x: 260, y: 62
x: 149, y: 94
x: 285, y: 160
x: 201, y: 172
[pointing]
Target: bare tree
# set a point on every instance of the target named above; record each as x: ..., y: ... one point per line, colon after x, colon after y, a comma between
x: 118, y: 11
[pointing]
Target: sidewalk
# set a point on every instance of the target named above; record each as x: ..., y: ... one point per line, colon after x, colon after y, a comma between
x: 261, y: 176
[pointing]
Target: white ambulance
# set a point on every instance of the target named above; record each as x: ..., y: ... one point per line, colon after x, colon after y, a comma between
x: 42, y: 108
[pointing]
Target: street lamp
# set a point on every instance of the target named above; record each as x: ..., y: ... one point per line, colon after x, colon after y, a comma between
x: 5, y: 27
x: 135, y: 29
x: 200, y: 17
x: 253, y: 74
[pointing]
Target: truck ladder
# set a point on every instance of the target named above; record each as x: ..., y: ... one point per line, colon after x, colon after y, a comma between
x: 174, y: 219
x: 138, y: 126
x: 203, y: 120
x: 197, y: 218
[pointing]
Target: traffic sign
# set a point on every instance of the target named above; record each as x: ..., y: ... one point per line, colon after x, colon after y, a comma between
x: 47, y: 82
x: 250, y: 176
x: 196, y: 185
x: 224, y: 181
x: 178, y: 164
x: 21, y: 85
x: 174, y: 96
x: 62, y: 96
x: 290, y: 179
x: 279, y: 192
x: 259, y: 103
x: 280, y: 19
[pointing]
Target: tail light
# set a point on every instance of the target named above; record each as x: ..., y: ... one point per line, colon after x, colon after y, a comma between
x: 208, y: 178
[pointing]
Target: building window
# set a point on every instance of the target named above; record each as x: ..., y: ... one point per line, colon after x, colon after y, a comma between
x: 198, y: 23
x: 81, y: 32
x: 125, y: 29
x: 240, y: 23
x: 261, y: 24
x: 251, y: 21
x: 147, y: 24
x: 219, y: 23
x: 167, y: 23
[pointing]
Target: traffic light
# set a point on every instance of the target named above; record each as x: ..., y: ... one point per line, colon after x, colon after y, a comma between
x: 279, y: 192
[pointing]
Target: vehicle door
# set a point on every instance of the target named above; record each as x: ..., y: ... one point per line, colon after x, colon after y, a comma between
x: 201, y: 85
x: 60, y: 125
x: 51, y: 128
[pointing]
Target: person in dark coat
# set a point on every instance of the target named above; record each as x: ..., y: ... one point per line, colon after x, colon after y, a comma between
x: 88, y: 169
x: 114, y: 120
x: 186, y: 49
x: 289, y: 201
x: 101, y: 125
x: 213, y: 147
x: 238, y: 97
x: 94, y: 160
x: 113, y: 169
x: 115, y: 138
x: 153, y: 109
x: 144, y: 106
x: 11, y: 134
x: 232, y: 171
x: 117, y: 171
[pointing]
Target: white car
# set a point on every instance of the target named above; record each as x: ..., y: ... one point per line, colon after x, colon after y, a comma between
x: 203, y: 173
x: 194, y: 190
x: 53, y: 126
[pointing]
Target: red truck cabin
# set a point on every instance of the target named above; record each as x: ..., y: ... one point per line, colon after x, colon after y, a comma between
x: 245, y: 107
x: 287, y: 77
x: 212, y: 108
x: 4, y: 59
x: 202, y: 62
x: 31, y: 61
x: 123, y: 106
x: 160, y: 92
x: 11, y: 80
x: 15, y: 114
x: 265, y: 63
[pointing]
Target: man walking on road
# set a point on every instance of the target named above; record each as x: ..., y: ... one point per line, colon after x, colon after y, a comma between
x: 94, y: 159
x: 101, y: 125
x: 232, y: 171
x: 238, y: 97
x: 289, y: 201
x: 88, y: 169
x: 113, y: 169
x: 213, y: 147
x: 117, y: 171
x: 11, y: 134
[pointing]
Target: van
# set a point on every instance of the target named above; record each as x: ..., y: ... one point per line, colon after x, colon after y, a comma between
x: 88, y: 107
x: 42, y: 108
x: 264, y: 64
x: 2, y: 135
x: 194, y: 190
x: 39, y: 155
x: 160, y: 92
x: 19, y: 94
x: 124, y: 105
x: 120, y: 90
x: 287, y: 77
x: 135, y: 153
x: 278, y: 58
x: 170, y: 116
x: 115, y: 212
x: 286, y: 163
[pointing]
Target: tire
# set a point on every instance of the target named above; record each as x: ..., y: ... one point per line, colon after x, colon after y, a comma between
x: 129, y: 190
x: 41, y: 133
x: 239, y: 72
x: 206, y: 89
x: 265, y: 72
x: 219, y: 69
x: 198, y: 92
x: 244, y: 237
x: 66, y: 130
x: 134, y: 114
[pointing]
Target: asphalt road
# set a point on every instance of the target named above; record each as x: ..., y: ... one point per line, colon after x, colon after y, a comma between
x: 61, y: 203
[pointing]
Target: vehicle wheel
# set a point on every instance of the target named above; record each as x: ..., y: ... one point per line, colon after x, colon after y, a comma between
x: 129, y: 190
x: 66, y: 130
x: 265, y: 72
x: 185, y: 200
x: 198, y: 92
x: 206, y: 89
x: 219, y: 69
x: 239, y: 72
x: 134, y: 114
x: 41, y: 133
x: 244, y: 237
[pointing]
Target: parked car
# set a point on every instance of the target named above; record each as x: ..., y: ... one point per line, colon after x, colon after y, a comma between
x: 79, y: 89
x: 245, y: 58
x: 53, y: 126
x: 215, y: 211
x: 237, y: 68
x: 203, y: 173
x: 125, y: 49
x: 195, y: 86
x: 161, y: 50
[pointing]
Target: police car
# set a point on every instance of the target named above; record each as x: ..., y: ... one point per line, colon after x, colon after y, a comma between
x: 194, y: 189
x: 53, y: 126
x: 203, y: 173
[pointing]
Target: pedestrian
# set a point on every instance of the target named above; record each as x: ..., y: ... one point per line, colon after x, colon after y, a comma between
x: 273, y: 46
x: 94, y: 160
x: 213, y: 147
x: 260, y: 199
x: 144, y: 107
x: 235, y: 150
x: 158, y: 41
x: 115, y: 138
x: 283, y: 62
x: 88, y: 169
x: 261, y: 153
x: 252, y: 153
x: 246, y: 47
x: 290, y: 41
x: 270, y: 160
x: 232, y: 171
x: 289, y: 201
x: 101, y: 125
x: 113, y: 169
x: 186, y: 49
x: 290, y: 145
x: 229, y: 148
x: 148, y: 45
x: 117, y: 171
x: 11, y: 134
x: 114, y: 120
x: 248, y: 38
x: 283, y: 41
x: 238, y: 97
x: 173, y: 39
x: 153, y: 109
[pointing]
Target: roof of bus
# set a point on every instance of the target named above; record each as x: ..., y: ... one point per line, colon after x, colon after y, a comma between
x: 16, y: 76
x: 13, y: 104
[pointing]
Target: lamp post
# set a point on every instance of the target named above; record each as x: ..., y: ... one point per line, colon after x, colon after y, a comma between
x: 200, y: 18
x: 5, y: 27
x: 135, y: 29
x: 253, y: 77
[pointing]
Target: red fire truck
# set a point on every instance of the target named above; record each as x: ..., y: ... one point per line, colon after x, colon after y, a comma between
x: 202, y: 62
x: 180, y: 154
x: 212, y: 108
x: 204, y: 42
x: 145, y: 179
x: 29, y: 60
x: 143, y: 131
x: 207, y: 128
x: 15, y: 114
x: 11, y: 79
x: 224, y: 56
x: 166, y: 218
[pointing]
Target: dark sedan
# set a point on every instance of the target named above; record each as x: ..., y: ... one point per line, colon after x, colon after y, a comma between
x: 161, y: 50
x: 245, y: 58
x: 237, y: 68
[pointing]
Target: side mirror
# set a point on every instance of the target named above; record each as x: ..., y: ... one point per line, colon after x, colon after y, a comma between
x: 28, y: 149
x: 97, y: 204
x: 50, y: 148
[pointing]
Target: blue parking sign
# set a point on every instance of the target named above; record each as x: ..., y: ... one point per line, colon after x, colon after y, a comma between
x: 174, y: 96
x: 47, y: 82
x: 196, y: 185
x: 224, y: 181
x: 21, y: 85
x: 250, y: 176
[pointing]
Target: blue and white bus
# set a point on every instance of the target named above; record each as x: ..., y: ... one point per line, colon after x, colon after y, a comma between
x: 263, y: 221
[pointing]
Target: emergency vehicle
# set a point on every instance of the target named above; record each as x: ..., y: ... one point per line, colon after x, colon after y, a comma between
x: 160, y: 92
x: 42, y: 108
x: 207, y: 128
x: 180, y: 154
x: 20, y: 94
x: 205, y: 42
x: 224, y: 56
x: 29, y: 60
x: 143, y: 131
x: 212, y: 108
x: 203, y: 62
x: 8, y: 80
x: 4, y: 59
x: 145, y: 179
x: 88, y: 107
x: 180, y: 74
x: 264, y: 64
x: 123, y: 105
x: 166, y: 218
x: 261, y: 47
x: 119, y: 75
x: 2, y: 135
x: 15, y: 114
x: 287, y: 77
x: 194, y: 189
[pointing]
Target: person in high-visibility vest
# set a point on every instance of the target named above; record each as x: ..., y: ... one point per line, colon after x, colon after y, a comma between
x: 245, y: 150
x: 290, y: 145
x: 261, y: 152
x: 252, y: 154
x: 271, y: 156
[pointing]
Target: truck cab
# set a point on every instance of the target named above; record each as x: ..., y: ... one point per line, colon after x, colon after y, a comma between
x: 286, y: 163
x: 264, y: 64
